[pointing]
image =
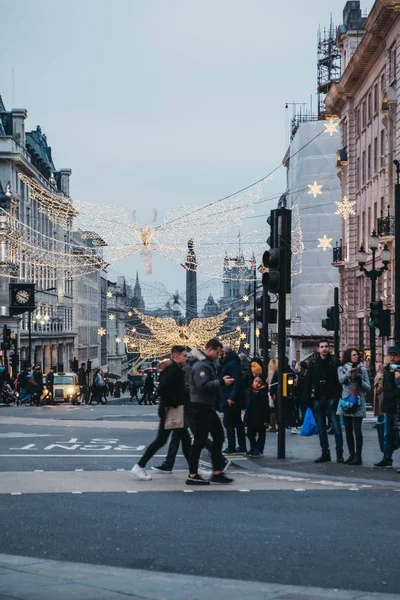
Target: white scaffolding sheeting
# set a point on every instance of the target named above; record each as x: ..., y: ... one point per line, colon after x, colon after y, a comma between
x: 314, y: 276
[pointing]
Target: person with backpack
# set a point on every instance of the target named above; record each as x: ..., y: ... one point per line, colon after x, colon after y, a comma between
x: 257, y: 415
x: 352, y: 405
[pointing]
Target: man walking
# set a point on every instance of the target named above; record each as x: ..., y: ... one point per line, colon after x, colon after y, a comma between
x: 82, y: 382
x: 391, y: 398
x: 233, y: 401
x: 173, y: 393
x: 204, y: 391
x: 323, y: 388
x: 50, y: 382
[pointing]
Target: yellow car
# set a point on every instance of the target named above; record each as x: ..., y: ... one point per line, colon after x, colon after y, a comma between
x: 66, y: 388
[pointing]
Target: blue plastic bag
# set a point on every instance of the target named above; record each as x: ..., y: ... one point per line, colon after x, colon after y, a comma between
x: 309, y: 425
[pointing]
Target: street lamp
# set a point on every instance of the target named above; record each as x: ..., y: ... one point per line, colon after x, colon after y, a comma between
x: 373, y: 274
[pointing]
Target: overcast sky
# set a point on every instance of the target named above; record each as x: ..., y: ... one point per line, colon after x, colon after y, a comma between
x: 159, y: 103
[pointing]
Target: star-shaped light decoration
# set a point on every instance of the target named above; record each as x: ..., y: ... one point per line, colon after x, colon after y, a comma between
x: 257, y: 332
x: 101, y: 331
x: 126, y: 339
x: 238, y: 328
x: 345, y: 208
x: 111, y: 317
x: 109, y: 294
x: 247, y: 346
x: 241, y: 314
x: 130, y: 313
x: 133, y: 329
x: 331, y: 126
x: 325, y: 243
x: 118, y: 339
x: 247, y: 318
x: 245, y: 298
x: 314, y: 189
x: 242, y: 336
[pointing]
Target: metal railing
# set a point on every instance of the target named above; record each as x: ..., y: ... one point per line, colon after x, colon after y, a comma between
x: 339, y: 253
x: 386, y: 225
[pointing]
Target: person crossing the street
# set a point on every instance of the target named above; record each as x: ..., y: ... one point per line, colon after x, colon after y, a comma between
x: 173, y: 393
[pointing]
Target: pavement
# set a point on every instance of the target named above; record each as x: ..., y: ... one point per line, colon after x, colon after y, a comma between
x: 287, y: 529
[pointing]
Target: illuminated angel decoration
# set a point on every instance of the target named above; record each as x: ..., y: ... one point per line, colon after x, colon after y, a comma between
x: 144, y: 236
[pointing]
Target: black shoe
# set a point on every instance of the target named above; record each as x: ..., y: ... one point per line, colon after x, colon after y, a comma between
x: 229, y: 450
x: 340, y: 459
x: 356, y: 461
x: 385, y: 463
x: 221, y: 478
x: 240, y: 450
x: 323, y: 458
x: 350, y: 459
x: 162, y: 469
x: 196, y: 480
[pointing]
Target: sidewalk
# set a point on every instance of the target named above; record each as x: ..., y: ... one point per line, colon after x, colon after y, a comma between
x: 24, y: 578
x: 301, y: 453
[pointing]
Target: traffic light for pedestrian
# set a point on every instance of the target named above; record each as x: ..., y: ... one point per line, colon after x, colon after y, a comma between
x: 331, y: 323
x: 385, y: 329
x: 376, y: 314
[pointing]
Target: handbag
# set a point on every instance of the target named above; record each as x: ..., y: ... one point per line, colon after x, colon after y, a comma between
x: 351, y: 403
x: 309, y: 425
x: 174, y: 417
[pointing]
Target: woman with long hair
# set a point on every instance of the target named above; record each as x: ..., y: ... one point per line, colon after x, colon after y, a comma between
x: 352, y: 405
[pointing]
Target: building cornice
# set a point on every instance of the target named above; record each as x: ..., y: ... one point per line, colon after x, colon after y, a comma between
x: 381, y: 18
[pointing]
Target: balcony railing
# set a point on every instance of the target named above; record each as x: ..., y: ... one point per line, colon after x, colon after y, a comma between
x: 386, y: 225
x: 339, y: 253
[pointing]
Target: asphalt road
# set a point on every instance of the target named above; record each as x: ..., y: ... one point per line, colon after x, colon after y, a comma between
x: 315, y: 533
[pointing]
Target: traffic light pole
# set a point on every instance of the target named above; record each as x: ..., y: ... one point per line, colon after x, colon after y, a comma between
x: 337, y: 328
x: 254, y: 308
x: 372, y: 329
x: 265, y: 327
x: 281, y: 370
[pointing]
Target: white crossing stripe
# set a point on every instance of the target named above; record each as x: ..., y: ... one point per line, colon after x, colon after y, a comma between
x: 76, y: 492
x: 131, y: 491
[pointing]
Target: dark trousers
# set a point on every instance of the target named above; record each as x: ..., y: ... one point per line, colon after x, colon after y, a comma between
x: 353, y: 427
x: 178, y: 436
x: 161, y: 440
x: 256, y: 436
x: 322, y: 410
x: 206, y: 421
x: 234, y: 425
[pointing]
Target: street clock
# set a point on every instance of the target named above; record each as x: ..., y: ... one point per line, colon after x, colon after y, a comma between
x: 22, y: 298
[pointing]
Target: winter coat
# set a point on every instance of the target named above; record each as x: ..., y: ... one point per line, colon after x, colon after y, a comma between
x: 391, y: 394
x: 204, y: 383
x: 360, y: 385
x: 149, y: 384
x: 378, y: 395
x: 257, y: 410
x: 50, y: 380
x: 81, y: 377
x: 322, y: 370
x: 171, y: 385
x: 231, y: 366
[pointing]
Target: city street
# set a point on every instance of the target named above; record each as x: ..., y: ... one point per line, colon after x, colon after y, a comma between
x: 68, y: 495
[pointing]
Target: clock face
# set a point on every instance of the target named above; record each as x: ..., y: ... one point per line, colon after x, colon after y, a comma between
x: 22, y: 297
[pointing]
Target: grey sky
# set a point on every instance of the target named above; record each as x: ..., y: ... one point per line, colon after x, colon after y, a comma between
x: 159, y: 103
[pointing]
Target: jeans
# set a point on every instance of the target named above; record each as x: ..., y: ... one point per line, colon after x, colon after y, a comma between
x: 353, y: 426
x: 24, y: 396
x: 322, y: 410
x: 206, y: 421
x: 160, y: 441
x: 257, y: 437
x: 380, y: 428
x: 233, y: 421
x: 389, y: 436
x: 178, y: 436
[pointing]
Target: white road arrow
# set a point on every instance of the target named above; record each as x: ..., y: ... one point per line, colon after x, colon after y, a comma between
x: 13, y: 435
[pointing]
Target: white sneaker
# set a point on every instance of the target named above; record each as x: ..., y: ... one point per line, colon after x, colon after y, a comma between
x: 205, y: 473
x: 295, y: 431
x: 140, y: 473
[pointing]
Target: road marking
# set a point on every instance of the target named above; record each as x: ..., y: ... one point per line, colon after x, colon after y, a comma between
x: 131, y: 491
x: 78, y: 469
x: 354, y: 489
x: 188, y: 491
x: 16, y: 493
x: 12, y: 435
x: 28, y: 447
x: 299, y: 490
x: 76, y: 492
x: 120, y: 469
x: 38, y: 471
x: 80, y: 455
x: 244, y: 490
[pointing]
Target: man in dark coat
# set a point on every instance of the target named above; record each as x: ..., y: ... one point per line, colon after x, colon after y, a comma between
x: 323, y: 391
x: 232, y: 400
x: 391, y: 399
x: 82, y: 382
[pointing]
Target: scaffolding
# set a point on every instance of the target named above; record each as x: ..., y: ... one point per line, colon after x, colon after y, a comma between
x: 329, y: 65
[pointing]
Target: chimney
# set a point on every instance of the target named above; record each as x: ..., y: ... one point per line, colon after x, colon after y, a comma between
x: 18, y: 116
x: 65, y: 174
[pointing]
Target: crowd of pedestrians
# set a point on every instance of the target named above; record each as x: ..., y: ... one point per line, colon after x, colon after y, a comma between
x: 223, y: 395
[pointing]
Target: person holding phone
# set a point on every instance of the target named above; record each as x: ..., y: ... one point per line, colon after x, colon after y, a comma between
x: 355, y: 383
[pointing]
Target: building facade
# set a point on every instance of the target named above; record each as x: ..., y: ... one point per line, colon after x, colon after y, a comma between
x: 26, y: 230
x: 366, y: 100
x: 117, y: 359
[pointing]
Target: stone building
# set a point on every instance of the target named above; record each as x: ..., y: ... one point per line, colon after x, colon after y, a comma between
x: 117, y: 360
x: 28, y: 154
x: 211, y: 308
x: 366, y: 100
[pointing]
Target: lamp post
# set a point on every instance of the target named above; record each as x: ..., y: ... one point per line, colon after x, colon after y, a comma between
x: 373, y: 274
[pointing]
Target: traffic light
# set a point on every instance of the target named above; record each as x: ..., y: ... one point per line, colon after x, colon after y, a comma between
x: 331, y: 323
x: 6, y: 344
x: 277, y: 260
x: 272, y: 312
x: 386, y: 325
x: 74, y: 365
x: 259, y: 311
x: 376, y: 314
x: 88, y: 366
